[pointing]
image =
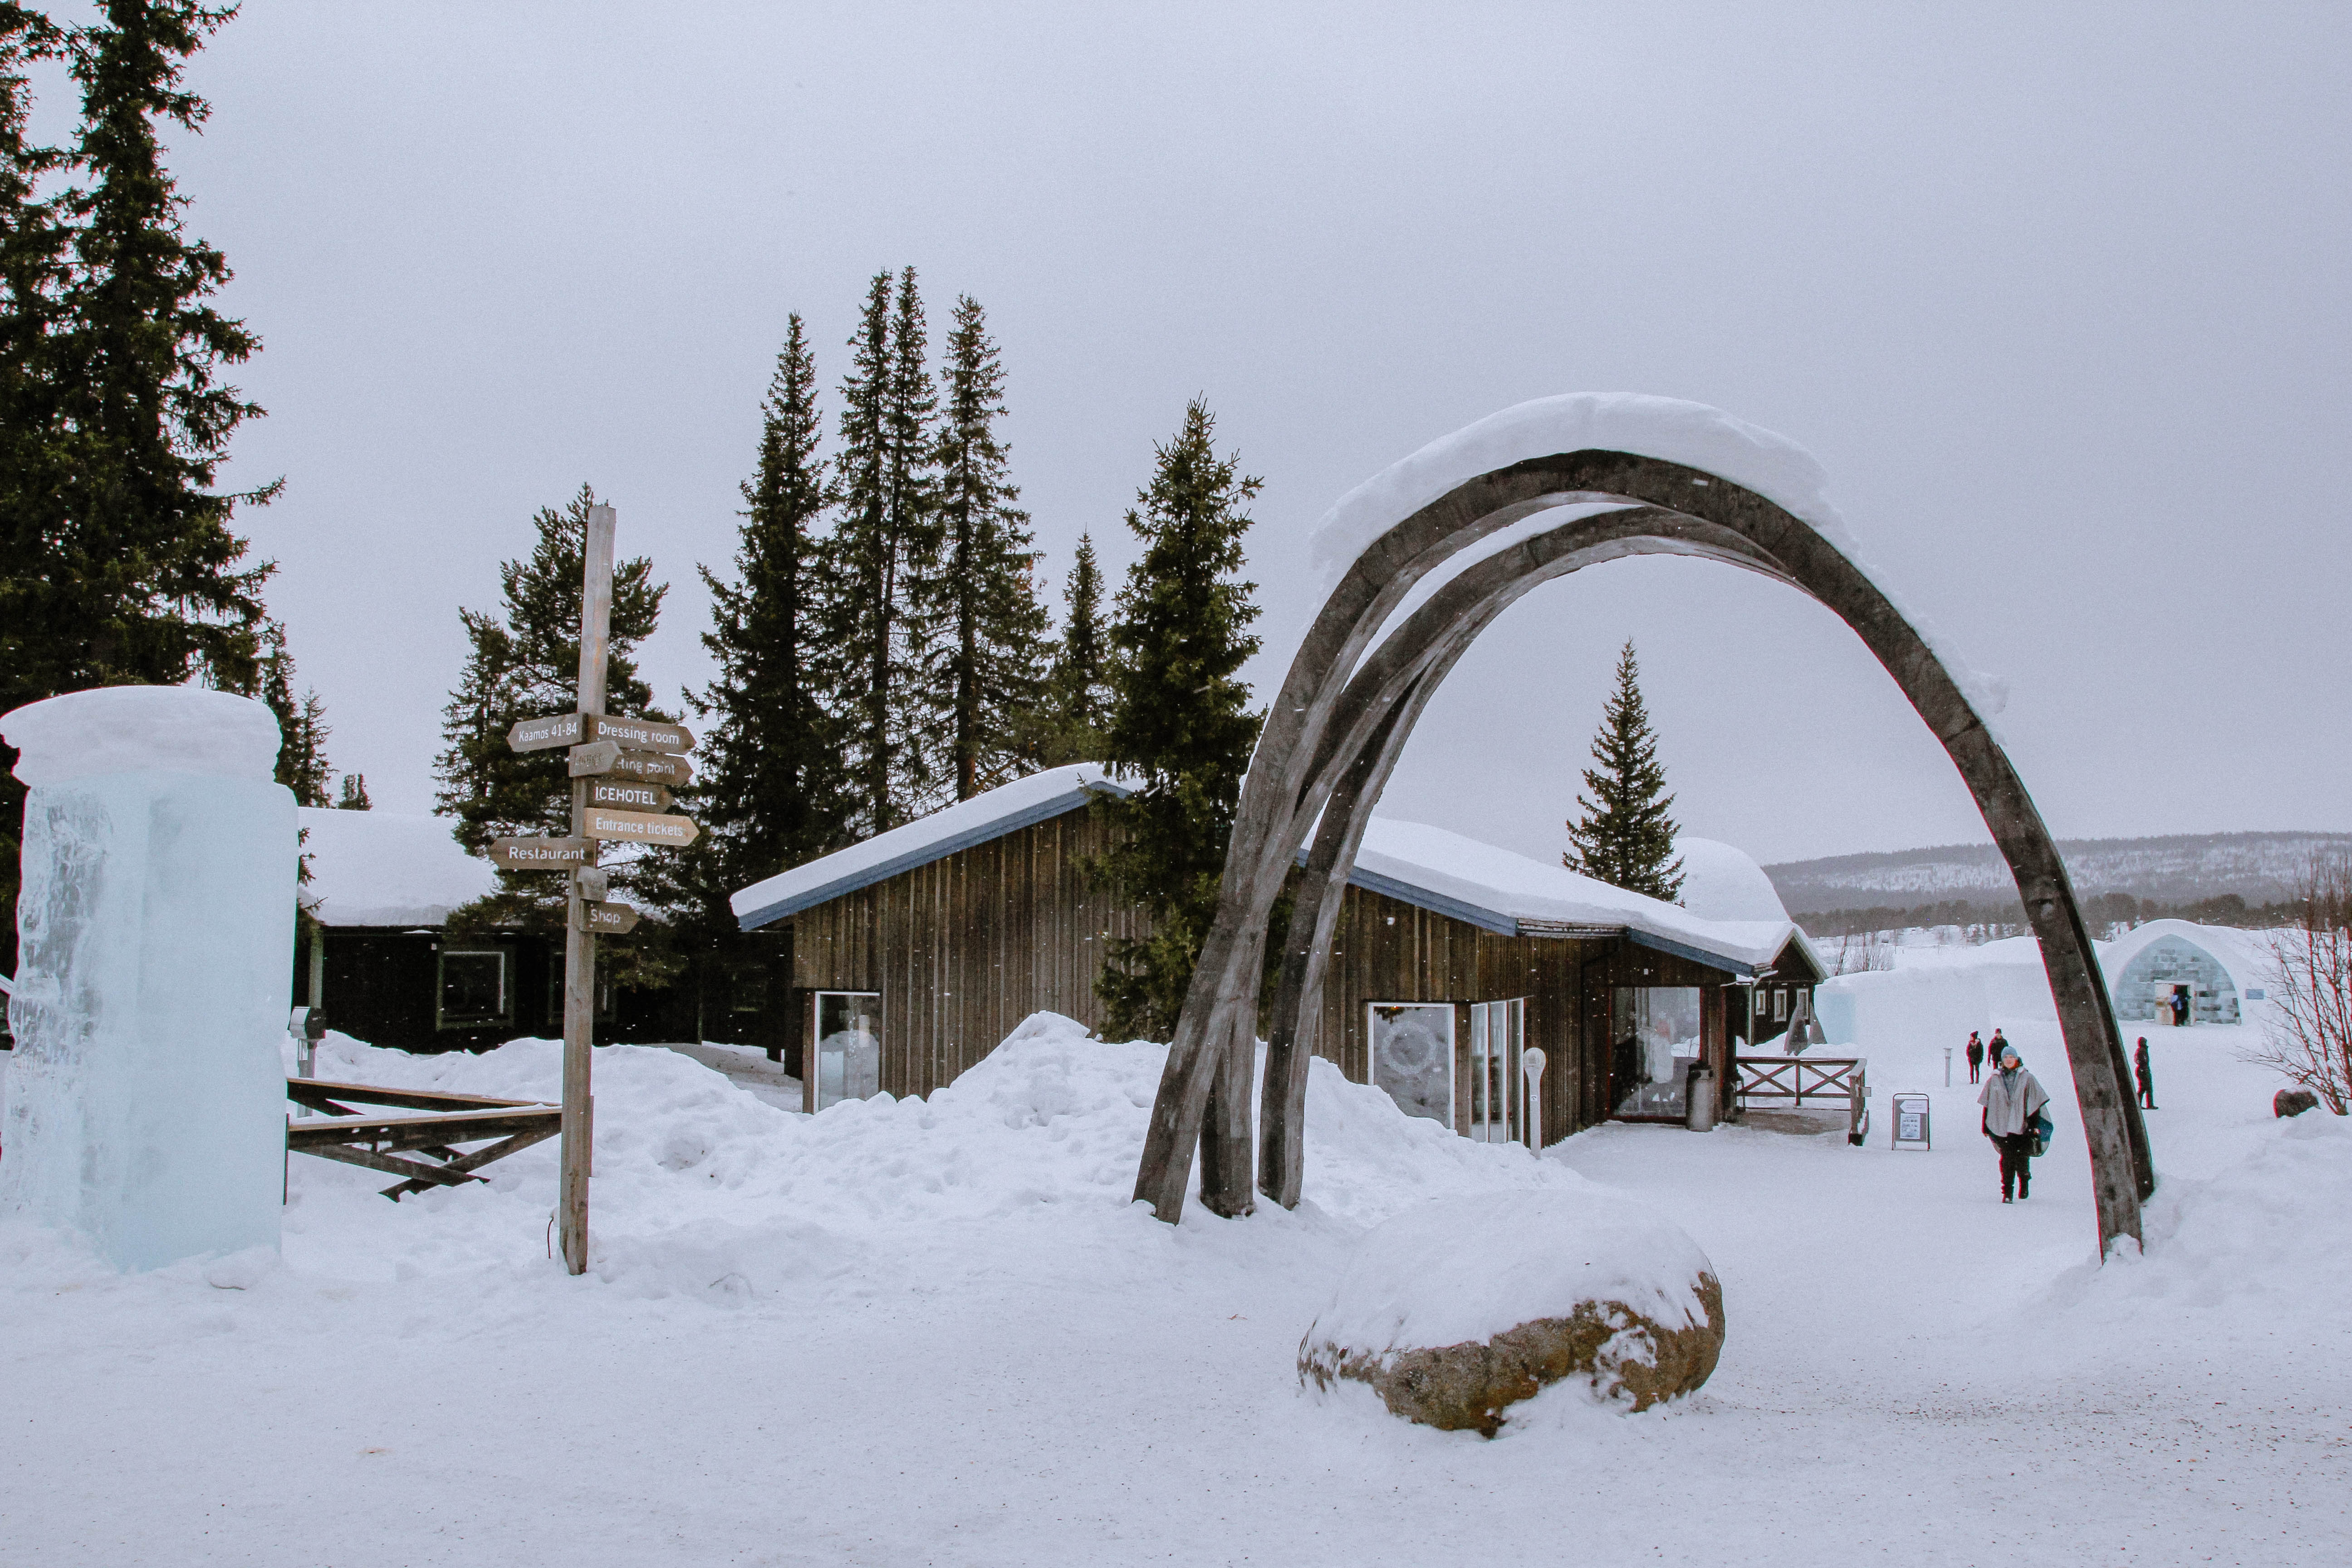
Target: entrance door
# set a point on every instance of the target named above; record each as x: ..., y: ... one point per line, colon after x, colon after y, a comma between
x: 1498, y: 1096
x: 1413, y: 1056
x: 1654, y: 1044
x: 848, y: 1045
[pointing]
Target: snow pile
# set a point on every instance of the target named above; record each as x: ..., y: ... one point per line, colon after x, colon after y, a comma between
x: 143, y: 729
x: 388, y: 869
x: 1690, y: 433
x: 1723, y: 882
x: 701, y: 1188
x: 1939, y: 993
x: 1463, y: 1271
x: 2252, y: 1257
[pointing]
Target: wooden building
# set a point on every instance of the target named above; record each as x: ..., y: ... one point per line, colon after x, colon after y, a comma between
x: 915, y: 952
x: 377, y: 957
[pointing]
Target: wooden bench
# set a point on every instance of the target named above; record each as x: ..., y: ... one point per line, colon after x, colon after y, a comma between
x: 376, y: 1140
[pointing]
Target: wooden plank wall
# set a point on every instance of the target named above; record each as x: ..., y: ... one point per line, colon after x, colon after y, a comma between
x: 966, y: 947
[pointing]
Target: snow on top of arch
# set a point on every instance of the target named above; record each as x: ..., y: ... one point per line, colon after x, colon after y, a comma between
x: 1669, y: 428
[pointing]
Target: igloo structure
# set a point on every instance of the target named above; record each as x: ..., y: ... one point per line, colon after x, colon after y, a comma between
x: 147, y: 1098
x: 2216, y: 966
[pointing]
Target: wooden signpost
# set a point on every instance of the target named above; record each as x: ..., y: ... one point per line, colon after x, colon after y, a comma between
x: 618, y: 769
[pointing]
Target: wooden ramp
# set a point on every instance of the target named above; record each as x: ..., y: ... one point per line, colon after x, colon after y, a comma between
x: 380, y: 1141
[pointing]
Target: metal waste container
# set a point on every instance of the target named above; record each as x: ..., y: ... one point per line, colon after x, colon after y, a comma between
x: 1698, y: 1101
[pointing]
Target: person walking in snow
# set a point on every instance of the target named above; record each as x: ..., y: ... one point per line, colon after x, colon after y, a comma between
x: 1992, y: 1051
x: 2147, y: 1076
x: 2013, y: 1099
x: 1976, y: 1055
x: 2180, y: 1007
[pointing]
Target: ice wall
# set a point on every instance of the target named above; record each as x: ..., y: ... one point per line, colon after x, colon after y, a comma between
x: 146, y: 1104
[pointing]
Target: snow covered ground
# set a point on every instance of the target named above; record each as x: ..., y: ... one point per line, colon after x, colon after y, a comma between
x: 935, y: 1331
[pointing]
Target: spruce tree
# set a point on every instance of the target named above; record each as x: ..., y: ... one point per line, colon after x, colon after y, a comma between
x: 116, y: 562
x: 881, y: 564
x: 354, y: 796
x: 1179, y: 721
x: 302, y: 732
x: 523, y: 662
x: 1625, y: 837
x: 990, y: 655
x: 1070, y: 722
x: 772, y: 793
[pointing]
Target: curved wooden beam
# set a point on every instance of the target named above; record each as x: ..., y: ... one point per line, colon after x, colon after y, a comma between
x: 1312, y: 744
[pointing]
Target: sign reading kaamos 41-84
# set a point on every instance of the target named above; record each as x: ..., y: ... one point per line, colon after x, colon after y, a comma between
x: 545, y: 734
x: 639, y: 827
x: 540, y: 854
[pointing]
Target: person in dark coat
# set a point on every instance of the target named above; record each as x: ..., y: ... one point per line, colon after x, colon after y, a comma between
x: 2013, y: 1099
x: 2147, y: 1076
x: 2180, y: 1007
x: 1993, y: 1049
x: 1976, y: 1055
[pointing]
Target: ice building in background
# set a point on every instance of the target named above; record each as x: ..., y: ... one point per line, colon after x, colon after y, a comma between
x: 914, y: 952
x: 2213, y: 969
x: 147, y: 1095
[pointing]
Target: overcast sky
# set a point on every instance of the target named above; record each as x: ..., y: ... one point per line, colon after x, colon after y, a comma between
x: 2057, y: 293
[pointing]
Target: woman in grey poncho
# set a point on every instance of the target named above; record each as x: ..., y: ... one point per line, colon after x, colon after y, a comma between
x: 2011, y: 1098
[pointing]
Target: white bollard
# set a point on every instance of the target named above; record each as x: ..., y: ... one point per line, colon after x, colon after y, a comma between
x: 1531, y: 1065
x: 147, y: 1104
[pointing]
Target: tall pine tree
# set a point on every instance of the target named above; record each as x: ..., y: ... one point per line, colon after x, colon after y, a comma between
x: 1179, y: 718
x: 881, y: 564
x: 116, y: 562
x: 523, y: 661
x: 990, y: 653
x: 1624, y: 837
x: 773, y: 793
x: 1069, y: 723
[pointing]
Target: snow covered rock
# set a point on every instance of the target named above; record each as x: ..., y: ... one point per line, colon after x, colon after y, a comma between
x: 1458, y: 1309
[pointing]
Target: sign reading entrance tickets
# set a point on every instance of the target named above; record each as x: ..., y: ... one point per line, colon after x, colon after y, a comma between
x: 640, y: 826
x: 1910, y: 1120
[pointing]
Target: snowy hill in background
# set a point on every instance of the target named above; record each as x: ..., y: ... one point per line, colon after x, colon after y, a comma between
x: 2180, y: 868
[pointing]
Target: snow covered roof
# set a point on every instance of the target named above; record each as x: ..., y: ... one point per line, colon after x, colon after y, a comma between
x: 2238, y: 952
x: 388, y: 869
x: 1723, y: 882
x: 1501, y: 891
x: 1000, y: 811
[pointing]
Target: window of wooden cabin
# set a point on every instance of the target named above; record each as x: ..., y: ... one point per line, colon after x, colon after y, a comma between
x: 1654, y: 1033
x: 848, y: 1033
x: 471, y: 990
x: 1413, y: 1056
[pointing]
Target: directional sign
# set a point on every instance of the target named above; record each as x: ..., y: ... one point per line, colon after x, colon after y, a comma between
x: 545, y: 734
x: 627, y: 794
x: 640, y: 826
x: 540, y: 854
x: 643, y: 734
x: 607, y: 919
x: 600, y: 758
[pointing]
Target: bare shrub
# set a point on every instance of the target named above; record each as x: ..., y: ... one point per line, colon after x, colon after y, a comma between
x: 2308, y: 1037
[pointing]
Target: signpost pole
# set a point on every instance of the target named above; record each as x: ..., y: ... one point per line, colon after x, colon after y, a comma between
x: 579, y: 943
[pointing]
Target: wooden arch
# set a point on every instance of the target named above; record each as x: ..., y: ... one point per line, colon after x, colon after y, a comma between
x: 1346, y: 709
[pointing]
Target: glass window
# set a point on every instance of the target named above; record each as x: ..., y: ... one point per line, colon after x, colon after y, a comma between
x: 848, y: 1045
x: 1497, y: 1093
x: 1413, y: 1057
x: 472, y: 988
x: 1654, y: 1033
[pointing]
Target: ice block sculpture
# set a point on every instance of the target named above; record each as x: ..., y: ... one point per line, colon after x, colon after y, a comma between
x: 147, y: 1099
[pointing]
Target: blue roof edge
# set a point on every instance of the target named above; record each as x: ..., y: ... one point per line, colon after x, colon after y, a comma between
x: 1435, y: 903
x: 1641, y: 938
x: 882, y: 871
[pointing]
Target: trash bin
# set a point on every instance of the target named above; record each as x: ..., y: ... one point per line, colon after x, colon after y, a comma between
x: 1698, y: 1101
